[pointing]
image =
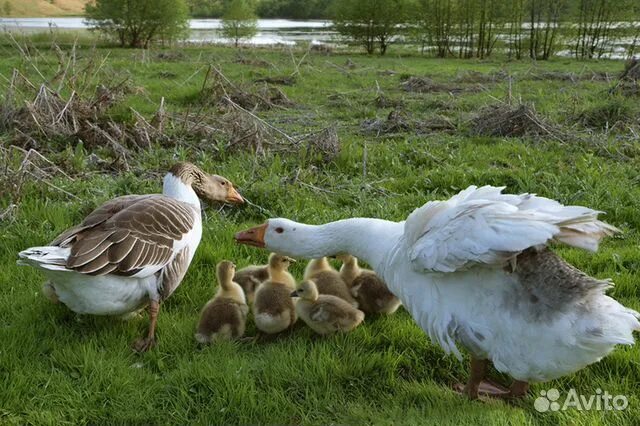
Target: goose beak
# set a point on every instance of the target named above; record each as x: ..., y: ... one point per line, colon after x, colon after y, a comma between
x: 233, y: 196
x: 253, y: 236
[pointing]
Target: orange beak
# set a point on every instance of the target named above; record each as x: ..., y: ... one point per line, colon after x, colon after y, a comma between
x: 234, y: 196
x: 253, y: 236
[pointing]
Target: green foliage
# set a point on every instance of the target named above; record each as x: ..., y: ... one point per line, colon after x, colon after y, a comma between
x: 6, y: 8
x: 206, y: 8
x: 239, y: 21
x: 373, y: 24
x: 294, y: 9
x: 137, y: 23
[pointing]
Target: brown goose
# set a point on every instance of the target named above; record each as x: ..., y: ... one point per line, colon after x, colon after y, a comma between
x: 133, y: 250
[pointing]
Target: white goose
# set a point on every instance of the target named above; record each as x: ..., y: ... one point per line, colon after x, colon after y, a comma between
x: 475, y: 271
x: 131, y: 251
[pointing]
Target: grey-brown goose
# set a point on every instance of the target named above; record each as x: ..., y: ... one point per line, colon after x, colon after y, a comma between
x: 133, y: 250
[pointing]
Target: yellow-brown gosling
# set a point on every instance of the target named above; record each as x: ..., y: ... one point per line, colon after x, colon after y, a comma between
x: 325, y: 313
x: 224, y: 316
x: 273, y: 308
x: 328, y: 280
x: 370, y: 291
x: 252, y: 276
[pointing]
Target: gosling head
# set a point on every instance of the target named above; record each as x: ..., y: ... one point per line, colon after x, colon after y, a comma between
x: 225, y: 271
x: 279, y: 262
x: 306, y: 290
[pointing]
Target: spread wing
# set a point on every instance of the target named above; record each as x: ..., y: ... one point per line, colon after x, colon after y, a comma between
x: 128, y: 235
x: 484, y: 226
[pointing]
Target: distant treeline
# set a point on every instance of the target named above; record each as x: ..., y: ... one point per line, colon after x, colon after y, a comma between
x: 533, y: 28
x: 467, y: 28
x: 289, y: 9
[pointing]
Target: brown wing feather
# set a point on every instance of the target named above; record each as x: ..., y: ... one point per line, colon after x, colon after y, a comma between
x: 98, y: 216
x: 127, y: 234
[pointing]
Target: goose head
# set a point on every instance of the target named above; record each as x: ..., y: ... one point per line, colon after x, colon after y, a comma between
x: 207, y: 187
x: 280, y: 235
x: 369, y: 239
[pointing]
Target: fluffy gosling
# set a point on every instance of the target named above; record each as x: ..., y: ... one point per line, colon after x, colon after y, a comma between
x: 252, y: 276
x: 225, y: 316
x: 273, y: 308
x: 367, y: 287
x: 328, y: 280
x: 325, y: 313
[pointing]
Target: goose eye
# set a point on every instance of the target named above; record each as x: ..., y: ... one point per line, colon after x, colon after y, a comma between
x: 279, y: 230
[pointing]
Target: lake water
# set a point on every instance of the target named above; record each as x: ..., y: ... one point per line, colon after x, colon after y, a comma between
x: 270, y: 31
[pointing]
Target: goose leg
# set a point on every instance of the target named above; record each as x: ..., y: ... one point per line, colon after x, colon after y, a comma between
x: 519, y: 389
x: 145, y: 343
x: 477, y: 386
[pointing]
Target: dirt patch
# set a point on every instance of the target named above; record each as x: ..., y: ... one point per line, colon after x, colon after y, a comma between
x: 171, y: 56
x: 481, y: 78
x: 383, y: 101
x: 255, y: 62
x: 507, y: 120
x: 285, y: 80
x: 400, y: 121
x: 631, y: 71
x: 427, y: 85
x: 219, y: 90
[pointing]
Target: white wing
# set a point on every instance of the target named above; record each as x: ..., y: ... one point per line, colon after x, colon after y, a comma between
x: 484, y: 226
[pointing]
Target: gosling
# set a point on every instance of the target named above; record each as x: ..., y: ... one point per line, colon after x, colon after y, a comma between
x: 225, y: 316
x: 367, y: 287
x: 324, y: 313
x: 328, y: 280
x: 251, y: 277
x: 273, y: 309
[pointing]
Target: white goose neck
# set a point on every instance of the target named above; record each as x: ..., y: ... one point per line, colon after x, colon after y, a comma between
x: 174, y: 187
x: 364, y: 238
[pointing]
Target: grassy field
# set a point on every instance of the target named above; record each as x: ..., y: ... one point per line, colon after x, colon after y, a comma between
x: 35, y: 8
x: 58, y: 368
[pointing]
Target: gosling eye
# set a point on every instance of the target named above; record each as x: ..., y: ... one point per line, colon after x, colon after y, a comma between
x: 279, y: 230
x: 223, y: 183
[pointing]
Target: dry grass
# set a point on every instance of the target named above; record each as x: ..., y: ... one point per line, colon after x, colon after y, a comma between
x: 400, y: 121
x: 507, y: 120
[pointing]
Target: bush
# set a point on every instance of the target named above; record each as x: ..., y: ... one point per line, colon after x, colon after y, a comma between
x: 370, y: 23
x: 136, y: 23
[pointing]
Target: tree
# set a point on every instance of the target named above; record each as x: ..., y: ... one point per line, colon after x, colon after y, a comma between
x: 239, y: 21
x: 6, y: 8
x: 370, y: 23
x: 136, y: 23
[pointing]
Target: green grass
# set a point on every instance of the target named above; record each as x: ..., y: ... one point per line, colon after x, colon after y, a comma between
x: 57, y: 368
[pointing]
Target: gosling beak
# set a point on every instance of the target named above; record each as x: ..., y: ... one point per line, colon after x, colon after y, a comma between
x: 290, y: 259
x: 253, y: 236
x: 294, y: 293
x: 233, y: 196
